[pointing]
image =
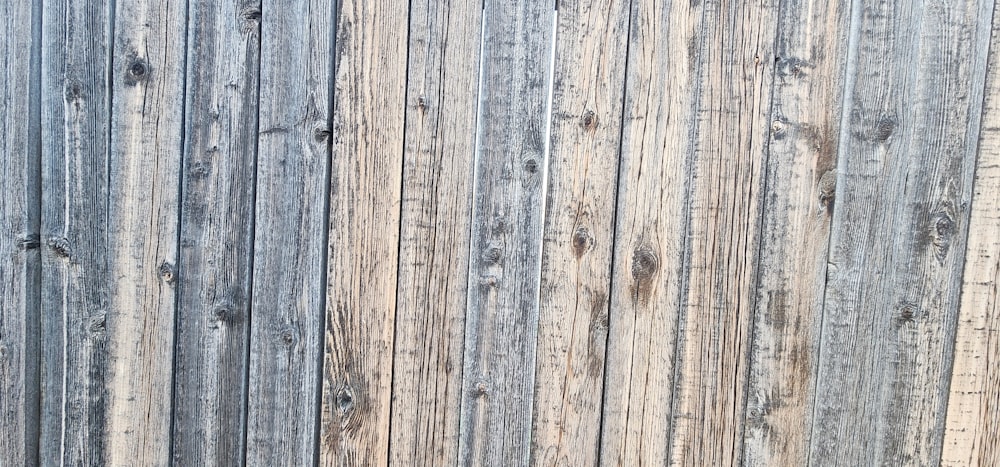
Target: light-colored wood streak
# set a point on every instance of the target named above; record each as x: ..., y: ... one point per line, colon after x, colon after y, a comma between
x: 290, y: 228
x: 798, y: 186
x: 442, y: 89
x: 588, y: 87
x: 972, y: 428
x: 365, y: 185
x: 216, y: 233
x: 912, y: 105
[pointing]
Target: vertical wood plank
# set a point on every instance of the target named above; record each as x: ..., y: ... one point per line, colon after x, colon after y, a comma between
x: 20, y: 204
x: 76, y: 59
x: 798, y: 201
x: 510, y: 167
x: 147, y: 108
x: 912, y: 108
x: 366, y: 179
x: 216, y: 232
x: 442, y: 86
x: 293, y: 157
x: 972, y: 427
x: 588, y: 88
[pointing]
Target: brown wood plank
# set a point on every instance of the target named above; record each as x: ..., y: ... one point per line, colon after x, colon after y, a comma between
x: 366, y: 179
x: 588, y: 95
x: 904, y: 182
x: 216, y: 233
x: 442, y: 87
x: 286, y: 317
x: 799, y: 186
x: 972, y: 427
x: 508, y: 216
x: 20, y: 205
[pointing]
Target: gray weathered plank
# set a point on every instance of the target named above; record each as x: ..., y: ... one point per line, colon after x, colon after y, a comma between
x: 366, y: 179
x: 216, y: 232
x: 588, y: 94
x: 20, y: 204
x: 293, y: 155
x: 76, y: 57
x: 440, y: 113
x: 972, y: 427
x: 904, y: 181
x: 798, y: 201
x: 510, y: 167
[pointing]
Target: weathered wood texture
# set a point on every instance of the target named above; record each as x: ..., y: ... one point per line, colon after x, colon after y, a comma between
x: 296, y: 232
x: 972, y: 429
x: 904, y: 182
x: 216, y: 232
x: 365, y: 184
x: 507, y: 220
x: 440, y: 112
x: 20, y: 198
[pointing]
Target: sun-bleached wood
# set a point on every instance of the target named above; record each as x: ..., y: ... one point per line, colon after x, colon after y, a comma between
x: 442, y: 87
x: 972, y: 427
x: 588, y: 87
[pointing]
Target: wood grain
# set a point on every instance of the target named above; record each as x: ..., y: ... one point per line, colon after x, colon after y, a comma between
x: 912, y: 105
x: 20, y: 210
x: 365, y: 184
x: 290, y: 225
x: 798, y: 195
x: 216, y: 233
x: 508, y: 216
x: 588, y: 88
x: 972, y: 427
x: 440, y: 112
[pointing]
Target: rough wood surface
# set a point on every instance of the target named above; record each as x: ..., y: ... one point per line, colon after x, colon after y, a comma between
x: 442, y: 87
x: 972, y: 428
x: 20, y: 260
x: 216, y: 233
x: 290, y: 228
x: 798, y: 189
x: 365, y: 184
x: 588, y: 87
x: 508, y: 215
x: 912, y: 105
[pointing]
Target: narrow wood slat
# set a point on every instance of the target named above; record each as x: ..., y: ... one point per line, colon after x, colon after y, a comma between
x: 20, y: 260
x: 588, y: 88
x: 502, y: 317
x: 904, y: 182
x: 216, y: 233
x: 798, y: 196
x: 366, y: 179
x: 286, y: 317
x: 440, y: 113
x: 972, y: 427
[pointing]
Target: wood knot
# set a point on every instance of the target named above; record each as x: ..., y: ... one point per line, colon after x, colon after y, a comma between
x: 225, y: 314
x: 422, y: 104
x: 778, y: 129
x: 288, y: 336
x: 345, y: 400
x: 588, y: 121
x: 481, y: 389
x: 167, y: 272
x: 884, y: 128
x: 944, y: 230
x: 98, y: 323
x: 906, y: 313
x: 531, y: 165
x: 493, y: 255
x: 828, y: 189
x: 29, y: 242
x: 60, y: 246
x: 644, y: 264
x: 138, y: 70
x: 321, y: 134
x: 582, y: 241
x: 200, y: 169
x: 251, y: 13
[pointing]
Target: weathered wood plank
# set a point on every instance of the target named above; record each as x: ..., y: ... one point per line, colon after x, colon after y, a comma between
x: 588, y: 94
x: 972, y: 427
x: 20, y: 205
x: 293, y: 155
x: 508, y: 215
x: 653, y: 184
x: 912, y: 107
x: 798, y: 201
x: 147, y: 107
x: 76, y: 59
x: 366, y: 179
x: 442, y: 86
x: 216, y: 233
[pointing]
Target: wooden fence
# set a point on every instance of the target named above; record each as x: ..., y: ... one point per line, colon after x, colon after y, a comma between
x: 570, y: 232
